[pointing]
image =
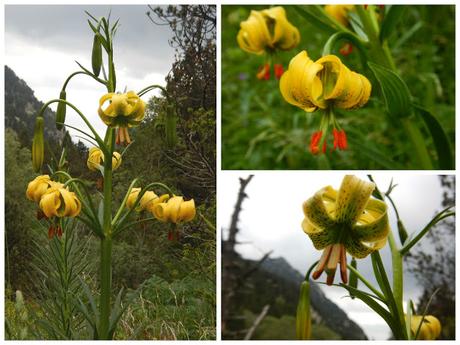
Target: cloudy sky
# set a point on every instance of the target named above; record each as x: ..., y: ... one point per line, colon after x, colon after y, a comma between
x: 272, y: 215
x: 42, y: 43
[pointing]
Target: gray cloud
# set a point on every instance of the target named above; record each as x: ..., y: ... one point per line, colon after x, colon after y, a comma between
x: 142, y: 47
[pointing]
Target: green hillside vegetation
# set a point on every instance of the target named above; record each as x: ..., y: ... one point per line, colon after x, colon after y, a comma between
x: 168, y: 287
x: 260, y: 130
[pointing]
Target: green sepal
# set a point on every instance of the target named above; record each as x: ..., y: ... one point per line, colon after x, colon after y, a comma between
x: 395, y: 91
x: 402, y: 231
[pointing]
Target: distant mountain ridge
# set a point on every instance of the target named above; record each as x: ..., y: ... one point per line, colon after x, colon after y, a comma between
x: 21, y: 107
x: 327, y: 311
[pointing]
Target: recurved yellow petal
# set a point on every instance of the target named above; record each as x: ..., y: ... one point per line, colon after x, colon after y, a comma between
x: 339, y: 12
x: 267, y: 31
x: 38, y: 187
x: 352, y: 198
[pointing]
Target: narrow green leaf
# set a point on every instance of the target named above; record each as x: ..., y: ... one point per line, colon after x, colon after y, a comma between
x: 306, y: 13
x: 440, y: 140
x: 408, y: 319
x: 392, y: 17
x: 375, y: 306
x: 395, y: 91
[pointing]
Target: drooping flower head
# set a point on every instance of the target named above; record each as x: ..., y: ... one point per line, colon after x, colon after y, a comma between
x: 96, y: 159
x: 345, y: 221
x: 147, y: 202
x: 39, y: 186
x: 175, y: 210
x: 266, y: 32
x: 339, y: 12
x: 324, y: 84
x: 121, y: 110
x: 430, y: 328
x: 60, y: 202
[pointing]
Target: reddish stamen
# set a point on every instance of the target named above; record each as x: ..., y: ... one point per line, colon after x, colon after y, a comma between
x: 343, y: 264
x: 343, y: 140
x: 59, y: 231
x: 340, y: 139
x: 51, y: 232
x: 170, y: 235
x: 278, y: 69
x: 322, y: 262
x: 314, y: 143
x: 264, y: 72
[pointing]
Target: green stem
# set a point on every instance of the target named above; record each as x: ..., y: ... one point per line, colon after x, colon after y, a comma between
x: 150, y: 88
x: 106, y: 243
x: 106, y: 287
x: 83, y: 117
x: 82, y: 72
x: 419, y: 143
x: 366, y: 282
x: 380, y: 53
x: 396, y: 259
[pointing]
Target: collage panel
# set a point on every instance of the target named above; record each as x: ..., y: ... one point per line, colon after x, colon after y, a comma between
x: 337, y: 257
x: 110, y: 172
x: 341, y: 87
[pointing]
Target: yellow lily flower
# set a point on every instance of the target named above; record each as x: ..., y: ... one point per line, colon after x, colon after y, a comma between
x: 323, y: 84
x: 430, y: 329
x: 339, y: 12
x: 96, y: 159
x: 60, y: 202
x: 175, y: 210
x: 39, y: 186
x: 123, y: 110
x: 347, y: 220
x: 266, y: 31
x: 147, y: 202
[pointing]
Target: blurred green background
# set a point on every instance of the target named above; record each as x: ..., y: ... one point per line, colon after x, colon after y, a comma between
x: 262, y: 131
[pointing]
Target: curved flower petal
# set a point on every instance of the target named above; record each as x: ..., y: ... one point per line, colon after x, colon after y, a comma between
x: 359, y: 249
x: 266, y: 31
x: 321, y: 238
x: 187, y: 210
x: 319, y: 208
x: 294, y: 83
x: 123, y: 110
x: 339, y: 12
x: 254, y: 36
x: 310, y: 85
x: 50, y: 203
x: 352, y: 198
x: 38, y: 187
x: 161, y: 212
x: 430, y: 328
x: 373, y: 224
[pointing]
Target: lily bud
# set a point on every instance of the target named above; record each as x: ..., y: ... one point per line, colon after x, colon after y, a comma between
x: 38, y: 145
x: 353, y: 277
x: 61, y: 110
x: 303, y: 320
x: 402, y: 231
x: 96, y: 56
